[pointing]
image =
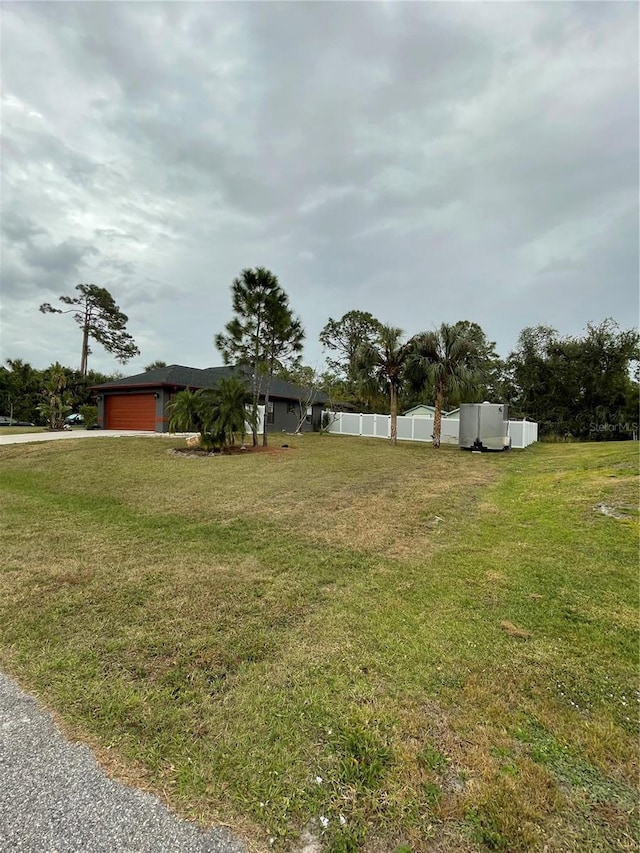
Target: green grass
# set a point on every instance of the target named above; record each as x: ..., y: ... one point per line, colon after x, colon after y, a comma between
x: 16, y: 430
x: 391, y: 648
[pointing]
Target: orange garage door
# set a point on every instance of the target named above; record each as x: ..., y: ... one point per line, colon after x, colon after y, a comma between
x: 131, y: 411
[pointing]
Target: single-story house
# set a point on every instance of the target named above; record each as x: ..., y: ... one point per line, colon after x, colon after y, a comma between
x: 421, y: 411
x: 425, y: 411
x: 141, y: 402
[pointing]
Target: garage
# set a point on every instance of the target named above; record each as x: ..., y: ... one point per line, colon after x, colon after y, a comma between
x: 131, y: 411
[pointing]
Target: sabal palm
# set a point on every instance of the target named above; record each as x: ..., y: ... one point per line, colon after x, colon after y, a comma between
x: 442, y: 358
x: 382, y: 365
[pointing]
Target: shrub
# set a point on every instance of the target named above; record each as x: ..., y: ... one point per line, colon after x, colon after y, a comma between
x: 90, y: 415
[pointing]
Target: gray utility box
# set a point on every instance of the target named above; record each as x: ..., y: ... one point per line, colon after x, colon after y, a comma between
x: 484, y: 426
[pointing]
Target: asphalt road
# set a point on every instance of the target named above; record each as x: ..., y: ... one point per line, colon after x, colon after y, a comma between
x: 54, y: 797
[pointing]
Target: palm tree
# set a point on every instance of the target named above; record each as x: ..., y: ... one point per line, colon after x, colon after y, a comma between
x: 218, y: 414
x: 231, y: 398
x: 381, y: 364
x: 184, y: 410
x: 55, y: 397
x: 442, y: 358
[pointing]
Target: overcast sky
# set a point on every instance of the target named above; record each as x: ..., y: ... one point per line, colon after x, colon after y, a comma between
x: 427, y: 162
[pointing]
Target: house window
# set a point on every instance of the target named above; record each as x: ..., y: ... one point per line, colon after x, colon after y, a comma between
x: 292, y: 408
x: 270, y: 413
x: 309, y: 414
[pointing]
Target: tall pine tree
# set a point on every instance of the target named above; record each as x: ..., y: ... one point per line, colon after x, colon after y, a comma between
x: 264, y: 334
x: 97, y: 314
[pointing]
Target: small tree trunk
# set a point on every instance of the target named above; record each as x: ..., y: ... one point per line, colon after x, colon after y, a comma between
x: 437, y: 417
x: 85, y: 349
x: 266, y: 409
x: 255, y: 393
x: 393, y: 408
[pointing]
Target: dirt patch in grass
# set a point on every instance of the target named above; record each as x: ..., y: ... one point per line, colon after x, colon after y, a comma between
x: 228, y: 451
x: 513, y: 631
x: 618, y: 511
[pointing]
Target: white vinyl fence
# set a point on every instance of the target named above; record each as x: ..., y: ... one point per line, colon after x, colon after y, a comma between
x: 260, y: 421
x: 523, y: 433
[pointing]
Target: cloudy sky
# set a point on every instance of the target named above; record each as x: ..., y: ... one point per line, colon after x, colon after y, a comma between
x: 426, y: 162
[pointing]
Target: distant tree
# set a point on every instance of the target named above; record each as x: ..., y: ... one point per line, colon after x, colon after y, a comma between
x: 607, y: 357
x: 444, y: 359
x: 78, y: 386
x: 55, y: 403
x: 381, y: 366
x: 529, y: 378
x: 299, y: 374
x: 20, y: 387
x: 576, y: 386
x: 243, y: 343
x: 100, y: 319
x: 484, y: 363
x: 310, y: 382
x: 345, y: 337
x: 264, y: 335
x: 283, y: 339
x: 155, y: 365
x: 89, y: 415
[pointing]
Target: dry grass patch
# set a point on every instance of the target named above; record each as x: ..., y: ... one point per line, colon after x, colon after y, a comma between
x: 513, y: 631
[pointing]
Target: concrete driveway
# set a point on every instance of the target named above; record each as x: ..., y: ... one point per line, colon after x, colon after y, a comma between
x: 27, y: 437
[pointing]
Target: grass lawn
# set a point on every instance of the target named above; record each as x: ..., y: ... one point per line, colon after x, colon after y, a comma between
x: 16, y: 430
x: 393, y: 649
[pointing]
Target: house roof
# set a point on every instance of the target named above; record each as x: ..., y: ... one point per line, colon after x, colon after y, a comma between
x: 180, y: 376
x: 421, y: 407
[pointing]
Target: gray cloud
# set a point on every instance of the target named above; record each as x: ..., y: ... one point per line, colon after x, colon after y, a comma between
x: 63, y: 259
x: 426, y: 162
x: 19, y: 229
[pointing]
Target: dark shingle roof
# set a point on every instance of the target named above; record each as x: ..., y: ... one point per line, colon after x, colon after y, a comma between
x: 177, y: 375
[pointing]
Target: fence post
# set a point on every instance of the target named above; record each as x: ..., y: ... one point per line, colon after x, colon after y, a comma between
x: 360, y: 424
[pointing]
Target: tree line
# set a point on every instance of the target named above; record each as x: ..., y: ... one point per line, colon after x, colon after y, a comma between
x: 580, y: 387
x: 574, y: 387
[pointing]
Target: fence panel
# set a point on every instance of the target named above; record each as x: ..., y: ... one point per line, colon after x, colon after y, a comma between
x: 382, y: 426
x: 405, y: 428
x: 260, y: 427
x: 516, y: 432
x: 368, y: 425
x: 523, y: 433
x: 422, y: 429
x: 450, y: 430
x: 350, y: 424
